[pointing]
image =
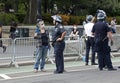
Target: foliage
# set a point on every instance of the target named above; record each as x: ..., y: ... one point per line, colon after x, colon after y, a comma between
x: 47, y: 18
x: 20, y: 17
x: 73, y: 11
x: 65, y: 19
x: 7, y: 18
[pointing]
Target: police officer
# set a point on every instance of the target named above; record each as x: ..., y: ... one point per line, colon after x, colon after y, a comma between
x: 58, y: 43
x: 102, y: 34
x: 90, y: 40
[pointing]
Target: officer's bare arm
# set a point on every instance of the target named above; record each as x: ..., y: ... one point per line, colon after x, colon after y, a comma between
x: 62, y: 36
x: 110, y: 36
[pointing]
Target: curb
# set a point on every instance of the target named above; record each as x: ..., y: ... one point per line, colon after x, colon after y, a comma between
x: 66, y: 59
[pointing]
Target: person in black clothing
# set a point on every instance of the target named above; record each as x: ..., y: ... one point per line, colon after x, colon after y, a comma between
x: 1, y: 43
x: 102, y: 34
x: 13, y: 30
x: 58, y: 43
x: 75, y: 33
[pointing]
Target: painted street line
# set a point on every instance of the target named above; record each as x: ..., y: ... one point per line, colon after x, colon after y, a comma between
x: 5, y: 76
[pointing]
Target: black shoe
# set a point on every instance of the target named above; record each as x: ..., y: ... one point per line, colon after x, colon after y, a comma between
x: 56, y: 72
x: 4, y: 49
x: 101, y: 69
x: 112, y: 69
x: 118, y: 66
x: 86, y: 63
x: 94, y: 64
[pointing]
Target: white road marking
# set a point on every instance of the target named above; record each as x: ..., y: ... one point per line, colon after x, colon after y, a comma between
x: 5, y: 76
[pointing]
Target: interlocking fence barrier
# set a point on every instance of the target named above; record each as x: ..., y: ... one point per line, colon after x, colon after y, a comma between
x: 22, y: 49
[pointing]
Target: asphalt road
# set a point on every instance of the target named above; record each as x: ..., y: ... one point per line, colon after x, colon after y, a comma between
x: 75, y: 76
x: 77, y: 72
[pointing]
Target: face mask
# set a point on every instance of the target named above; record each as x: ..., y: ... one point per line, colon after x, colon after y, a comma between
x: 74, y: 27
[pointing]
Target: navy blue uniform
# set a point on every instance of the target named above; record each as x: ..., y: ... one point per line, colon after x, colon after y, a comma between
x: 59, y: 48
x: 100, y: 30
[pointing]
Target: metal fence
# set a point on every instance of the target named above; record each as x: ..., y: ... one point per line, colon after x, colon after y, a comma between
x: 22, y: 50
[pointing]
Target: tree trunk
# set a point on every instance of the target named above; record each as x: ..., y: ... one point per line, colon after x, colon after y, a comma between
x: 45, y: 6
x: 31, y: 13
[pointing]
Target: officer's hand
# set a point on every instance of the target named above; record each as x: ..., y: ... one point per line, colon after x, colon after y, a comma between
x: 59, y: 39
x: 111, y: 43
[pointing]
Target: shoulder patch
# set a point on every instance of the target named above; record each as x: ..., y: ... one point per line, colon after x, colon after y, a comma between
x: 56, y: 29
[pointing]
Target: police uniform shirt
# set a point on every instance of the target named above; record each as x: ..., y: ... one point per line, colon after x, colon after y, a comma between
x: 88, y: 28
x: 59, y: 29
x: 100, y: 29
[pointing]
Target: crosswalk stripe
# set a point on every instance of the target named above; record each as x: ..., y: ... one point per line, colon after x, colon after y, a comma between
x: 5, y: 76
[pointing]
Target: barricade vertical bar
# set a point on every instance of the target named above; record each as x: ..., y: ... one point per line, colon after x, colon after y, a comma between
x: 49, y: 58
x: 79, y: 49
x: 13, y: 56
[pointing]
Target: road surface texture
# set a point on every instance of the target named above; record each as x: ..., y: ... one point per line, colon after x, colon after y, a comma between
x: 76, y: 72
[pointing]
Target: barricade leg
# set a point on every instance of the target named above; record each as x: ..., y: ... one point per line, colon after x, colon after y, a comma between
x: 49, y: 58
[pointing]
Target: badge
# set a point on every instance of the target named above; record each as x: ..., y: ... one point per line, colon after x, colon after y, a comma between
x: 61, y: 27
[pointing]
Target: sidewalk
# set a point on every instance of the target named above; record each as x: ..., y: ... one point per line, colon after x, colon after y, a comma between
x: 67, y: 58
x: 49, y: 66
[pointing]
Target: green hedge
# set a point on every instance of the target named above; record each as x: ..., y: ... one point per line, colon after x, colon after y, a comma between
x: 7, y: 18
x: 67, y: 20
x: 20, y: 17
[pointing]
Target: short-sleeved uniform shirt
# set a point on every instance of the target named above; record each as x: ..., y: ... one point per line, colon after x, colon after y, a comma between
x: 59, y: 29
x: 100, y: 29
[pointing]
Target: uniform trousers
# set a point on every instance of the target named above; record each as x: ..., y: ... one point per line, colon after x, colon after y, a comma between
x: 59, y: 58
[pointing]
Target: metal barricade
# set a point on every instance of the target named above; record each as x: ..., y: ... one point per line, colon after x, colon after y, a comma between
x: 23, y: 49
x: 73, y: 47
x: 6, y: 57
x: 116, y: 44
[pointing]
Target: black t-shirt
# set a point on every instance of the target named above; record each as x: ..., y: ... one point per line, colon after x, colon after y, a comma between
x: 75, y: 31
x: 45, y: 38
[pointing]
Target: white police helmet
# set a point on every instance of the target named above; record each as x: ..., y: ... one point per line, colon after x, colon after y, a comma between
x: 100, y: 16
x: 57, y: 18
x: 102, y: 11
